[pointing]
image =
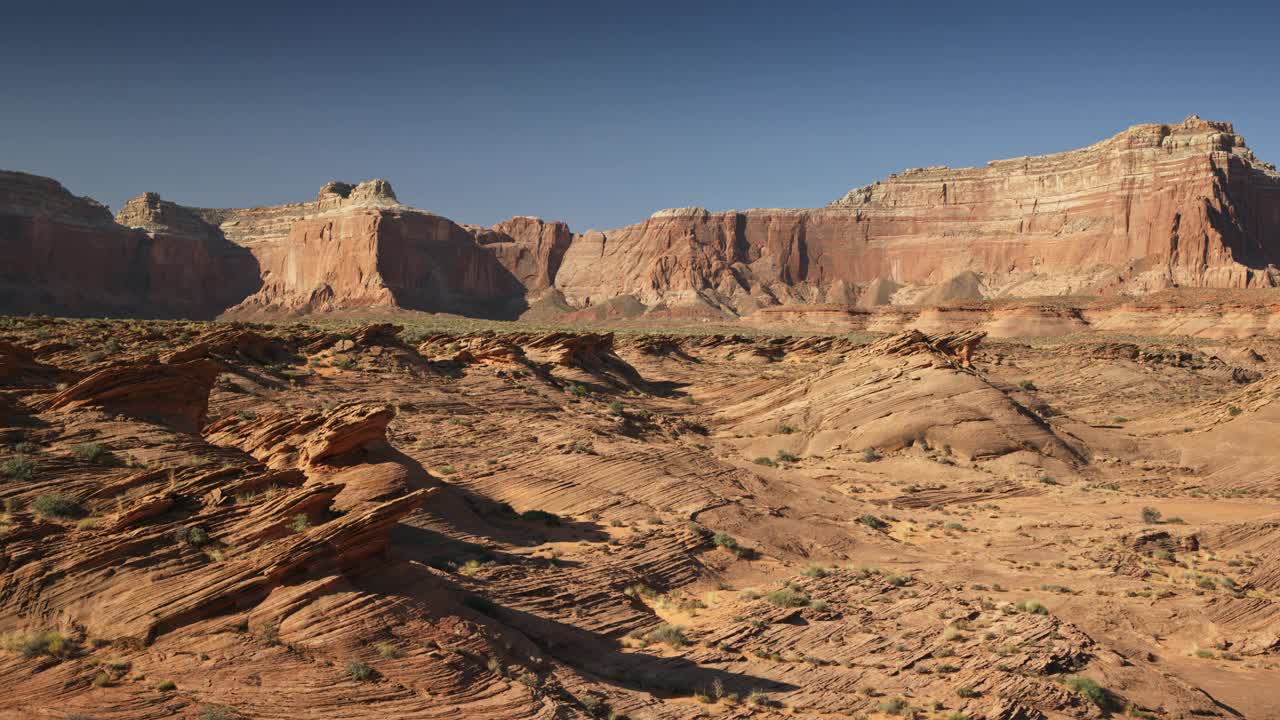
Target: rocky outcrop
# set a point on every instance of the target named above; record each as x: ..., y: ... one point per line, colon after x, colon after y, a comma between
x: 18, y: 366
x: 285, y: 440
x: 176, y: 395
x: 355, y: 247
x: 66, y: 255
x: 530, y: 248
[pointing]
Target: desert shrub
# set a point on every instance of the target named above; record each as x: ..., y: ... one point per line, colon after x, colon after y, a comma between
x: 1035, y: 607
x: 668, y: 634
x: 898, y: 580
x: 1089, y: 688
x: 1233, y: 410
x: 615, y: 408
x: 18, y: 468
x: 730, y: 543
x: 784, y: 456
x: 359, y: 671
x: 1150, y: 515
x: 57, y: 505
x: 299, y: 523
x: 192, y: 535
x: 786, y: 597
x: 1048, y: 480
x: 818, y: 605
x: 89, y: 452
x: 766, y: 461
x: 700, y: 530
x: 388, y: 651
x: 785, y: 429
x: 542, y: 516
x: 967, y: 692
x: 815, y: 571
x: 578, y: 390
x: 1028, y: 386
x: 873, y: 522
x: 952, y: 634
x: 45, y: 642
x: 870, y: 455
x: 26, y: 447
x: 894, y: 706
x: 166, y: 686
x: 447, y: 470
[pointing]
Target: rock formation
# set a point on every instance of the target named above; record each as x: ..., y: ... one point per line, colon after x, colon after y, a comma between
x: 1154, y: 207
x: 357, y: 247
x: 176, y: 394
x: 64, y: 254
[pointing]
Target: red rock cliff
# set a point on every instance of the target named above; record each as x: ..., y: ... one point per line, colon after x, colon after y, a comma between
x: 64, y: 254
x: 1155, y: 206
x: 357, y: 247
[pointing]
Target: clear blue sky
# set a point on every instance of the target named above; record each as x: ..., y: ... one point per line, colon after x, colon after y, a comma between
x: 599, y: 113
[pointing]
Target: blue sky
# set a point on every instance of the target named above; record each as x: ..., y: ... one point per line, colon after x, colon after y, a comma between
x: 599, y: 115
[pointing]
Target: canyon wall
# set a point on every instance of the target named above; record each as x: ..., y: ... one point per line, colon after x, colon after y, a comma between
x: 1155, y: 207
x: 355, y: 247
x: 65, y: 255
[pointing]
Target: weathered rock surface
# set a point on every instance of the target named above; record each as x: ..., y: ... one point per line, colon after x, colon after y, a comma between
x: 1155, y: 206
x: 64, y: 254
x: 176, y: 394
x: 355, y: 247
x: 530, y: 248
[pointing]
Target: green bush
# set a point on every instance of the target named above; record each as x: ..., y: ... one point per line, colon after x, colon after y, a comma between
x: 542, y: 516
x: 870, y: 455
x: 89, y: 452
x: 766, y: 461
x: 1150, y: 515
x: 784, y: 456
x: 786, y: 597
x: 19, y: 468
x: 192, y: 535
x: 1089, y: 688
x: 615, y: 408
x: 46, y: 642
x: 815, y: 571
x: 1035, y: 607
x: 873, y: 522
x: 669, y: 634
x: 57, y: 505
x: 359, y: 671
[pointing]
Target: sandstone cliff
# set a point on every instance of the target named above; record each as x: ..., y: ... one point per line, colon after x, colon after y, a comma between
x: 1155, y: 206
x: 64, y: 254
x: 356, y: 247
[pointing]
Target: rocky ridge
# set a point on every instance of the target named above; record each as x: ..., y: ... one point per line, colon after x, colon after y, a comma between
x: 1155, y: 207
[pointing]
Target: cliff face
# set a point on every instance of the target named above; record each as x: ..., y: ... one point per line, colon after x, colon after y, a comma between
x: 355, y: 247
x: 1155, y: 206
x: 64, y: 254
x: 530, y: 248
